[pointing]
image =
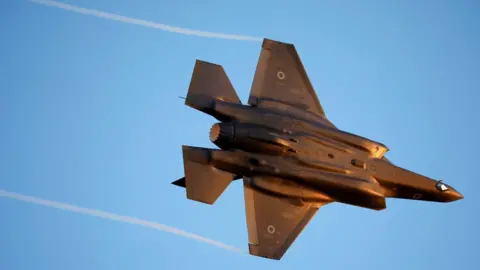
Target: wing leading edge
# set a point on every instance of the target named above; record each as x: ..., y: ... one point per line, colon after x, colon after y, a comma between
x: 273, y: 223
x: 280, y: 76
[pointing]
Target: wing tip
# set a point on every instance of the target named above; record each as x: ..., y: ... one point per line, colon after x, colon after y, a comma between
x: 270, y: 43
x: 256, y: 250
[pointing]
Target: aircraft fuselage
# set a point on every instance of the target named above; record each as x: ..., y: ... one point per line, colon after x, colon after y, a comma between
x: 300, y: 149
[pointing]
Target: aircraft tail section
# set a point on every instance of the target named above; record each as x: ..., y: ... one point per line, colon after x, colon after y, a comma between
x: 209, y: 82
x: 203, y: 182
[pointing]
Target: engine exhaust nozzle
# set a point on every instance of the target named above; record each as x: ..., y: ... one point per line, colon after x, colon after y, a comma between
x: 221, y: 134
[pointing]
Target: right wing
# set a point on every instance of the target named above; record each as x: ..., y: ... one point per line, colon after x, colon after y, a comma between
x: 281, y: 77
x: 273, y: 223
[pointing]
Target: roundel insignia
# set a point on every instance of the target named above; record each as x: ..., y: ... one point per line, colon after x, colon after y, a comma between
x: 280, y: 75
x: 271, y: 229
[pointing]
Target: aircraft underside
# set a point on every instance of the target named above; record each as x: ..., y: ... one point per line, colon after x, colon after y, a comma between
x: 292, y: 159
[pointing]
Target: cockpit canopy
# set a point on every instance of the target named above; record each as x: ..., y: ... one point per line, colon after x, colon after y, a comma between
x: 441, y: 186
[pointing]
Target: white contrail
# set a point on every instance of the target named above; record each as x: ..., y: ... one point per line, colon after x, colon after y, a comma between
x: 160, y: 26
x: 115, y: 217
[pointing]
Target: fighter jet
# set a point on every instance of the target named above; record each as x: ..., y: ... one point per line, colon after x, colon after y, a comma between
x: 292, y: 159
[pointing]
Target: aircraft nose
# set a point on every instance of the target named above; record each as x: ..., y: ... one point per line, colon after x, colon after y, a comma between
x: 454, y: 195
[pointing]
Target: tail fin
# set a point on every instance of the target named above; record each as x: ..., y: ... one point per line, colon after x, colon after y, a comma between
x: 209, y: 82
x: 204, y: 183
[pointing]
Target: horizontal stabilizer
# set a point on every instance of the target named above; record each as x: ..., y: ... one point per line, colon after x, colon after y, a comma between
x: 204, y: 183
x: 209, y: 82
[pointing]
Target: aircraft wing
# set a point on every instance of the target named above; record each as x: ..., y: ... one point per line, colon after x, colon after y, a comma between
x: 280, y: 76
x: 273, y: 223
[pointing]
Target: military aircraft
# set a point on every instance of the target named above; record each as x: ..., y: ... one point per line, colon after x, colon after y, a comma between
x: 292, y: 159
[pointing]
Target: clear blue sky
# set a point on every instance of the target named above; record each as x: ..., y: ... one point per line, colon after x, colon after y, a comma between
x: 89, y: 115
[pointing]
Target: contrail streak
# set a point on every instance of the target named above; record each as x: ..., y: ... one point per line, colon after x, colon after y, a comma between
x: 164, y: 27
x: 115, y: 217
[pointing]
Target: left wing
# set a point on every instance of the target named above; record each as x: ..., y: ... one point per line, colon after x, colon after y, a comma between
x: 274, y: 223
x: 281, y: 77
